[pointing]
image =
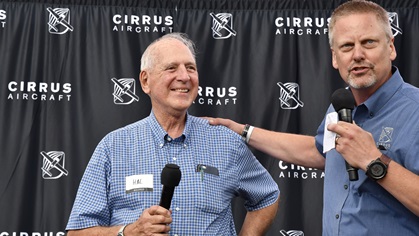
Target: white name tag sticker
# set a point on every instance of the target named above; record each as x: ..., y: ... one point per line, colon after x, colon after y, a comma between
x: 138, y: 183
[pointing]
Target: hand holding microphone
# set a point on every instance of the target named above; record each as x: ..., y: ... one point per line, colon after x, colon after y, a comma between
x: 148, y: 223
x: 344, y: 102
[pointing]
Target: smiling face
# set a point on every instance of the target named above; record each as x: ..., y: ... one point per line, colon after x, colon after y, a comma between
x: 362, y: 52
x: 172, y: 79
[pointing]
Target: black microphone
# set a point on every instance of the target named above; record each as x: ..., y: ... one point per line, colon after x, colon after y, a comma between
x: 344, y: 102
x: 170, y: 178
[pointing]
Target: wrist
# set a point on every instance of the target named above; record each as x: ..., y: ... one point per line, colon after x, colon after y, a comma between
x: 121, y: 230
x: 247, y: 132
x: 377, y: 169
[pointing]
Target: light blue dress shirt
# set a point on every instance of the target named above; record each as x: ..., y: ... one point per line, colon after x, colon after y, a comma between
x: 201, y: 203
x: 363, y: 207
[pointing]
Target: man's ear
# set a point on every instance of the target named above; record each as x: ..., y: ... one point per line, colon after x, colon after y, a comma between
x: 144, y: 81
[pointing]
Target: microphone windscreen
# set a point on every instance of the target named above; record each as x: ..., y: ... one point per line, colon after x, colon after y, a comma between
x: 343, y: 99
x: 170, y: 176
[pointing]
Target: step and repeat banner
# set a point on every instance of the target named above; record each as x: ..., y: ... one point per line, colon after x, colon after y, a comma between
x: 69, y: 75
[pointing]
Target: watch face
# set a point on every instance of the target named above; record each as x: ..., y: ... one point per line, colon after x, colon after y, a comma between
x: 377, y: 170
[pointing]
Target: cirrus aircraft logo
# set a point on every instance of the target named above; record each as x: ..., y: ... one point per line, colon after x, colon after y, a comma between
x: 292, y: 171
x: 289, y: 95
x: 142, y: 23
x: 291, y: 25
x: 394, y: 23
x: 53, y: 165
x: 221, y: 96
x: 38, y: 91
x: 32, y: 234
x: 59, y: 20
x: 124, y: 91
x: 222, y: 25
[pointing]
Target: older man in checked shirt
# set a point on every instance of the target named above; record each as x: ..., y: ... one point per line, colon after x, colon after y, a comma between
x: 201, y: 205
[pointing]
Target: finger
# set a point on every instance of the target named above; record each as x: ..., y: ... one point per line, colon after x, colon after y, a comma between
x: 158, y: 210
x: 160, y: 229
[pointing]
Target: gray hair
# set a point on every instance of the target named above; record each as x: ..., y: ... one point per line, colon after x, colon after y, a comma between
x: 360, y: 6
x: 148, y: 58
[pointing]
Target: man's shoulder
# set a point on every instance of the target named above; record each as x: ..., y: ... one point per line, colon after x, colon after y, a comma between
x: 129, y: 128
x: 202, y: 125
x: 411, y: 92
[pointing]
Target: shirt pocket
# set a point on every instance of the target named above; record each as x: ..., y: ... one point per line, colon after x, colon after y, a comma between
x: 212, y: 195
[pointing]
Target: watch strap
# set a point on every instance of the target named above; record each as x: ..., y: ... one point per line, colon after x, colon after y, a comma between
x: 121, y: 231
x: 385, y: 159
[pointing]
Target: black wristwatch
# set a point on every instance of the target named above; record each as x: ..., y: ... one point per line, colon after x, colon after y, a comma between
x: 121, y: 231
x: 377, y: 168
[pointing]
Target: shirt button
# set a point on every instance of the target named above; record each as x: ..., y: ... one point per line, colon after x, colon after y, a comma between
x: 371, y: 114
x: 177, y: 209
x: 174, y: 158
x: 337, y: 216
x: 345, y: 186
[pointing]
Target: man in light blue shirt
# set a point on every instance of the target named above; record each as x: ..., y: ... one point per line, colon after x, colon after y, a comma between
x: 120, y: 190
x: 383, y: 144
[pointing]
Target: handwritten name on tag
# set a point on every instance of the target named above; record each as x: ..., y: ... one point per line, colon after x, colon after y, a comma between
x: 139, y: 183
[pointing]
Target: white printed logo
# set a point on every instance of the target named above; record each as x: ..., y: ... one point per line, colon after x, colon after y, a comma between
x: 394, y: 23
x: 385, y: 137
x: 53, y: 165
x: 124, y: 91
x: 289, y: 96
x: 222, y: 25
x: 59, y: 20
x: 291, y: 233
x: 2, y: 18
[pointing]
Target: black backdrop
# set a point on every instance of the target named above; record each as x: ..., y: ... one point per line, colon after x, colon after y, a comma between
x: 69, y: 75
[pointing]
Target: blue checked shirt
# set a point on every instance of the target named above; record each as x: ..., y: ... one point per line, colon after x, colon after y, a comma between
x: 201, y: 203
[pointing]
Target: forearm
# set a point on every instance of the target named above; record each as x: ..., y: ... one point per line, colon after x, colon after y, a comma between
x: 257, y: 222
x: 292, y: 148
x: 403, y: 185
x: 95, y: 231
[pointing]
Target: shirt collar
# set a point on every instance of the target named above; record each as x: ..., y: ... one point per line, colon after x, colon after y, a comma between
x: 385, y: 92
x: 161, y: 136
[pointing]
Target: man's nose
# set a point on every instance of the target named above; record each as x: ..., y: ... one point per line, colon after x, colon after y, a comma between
x: 183, y: 73
x: 359, y: 53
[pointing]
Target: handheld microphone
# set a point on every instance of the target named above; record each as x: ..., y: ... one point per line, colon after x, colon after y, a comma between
x: 170, y: 178
x: 343, y: 101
